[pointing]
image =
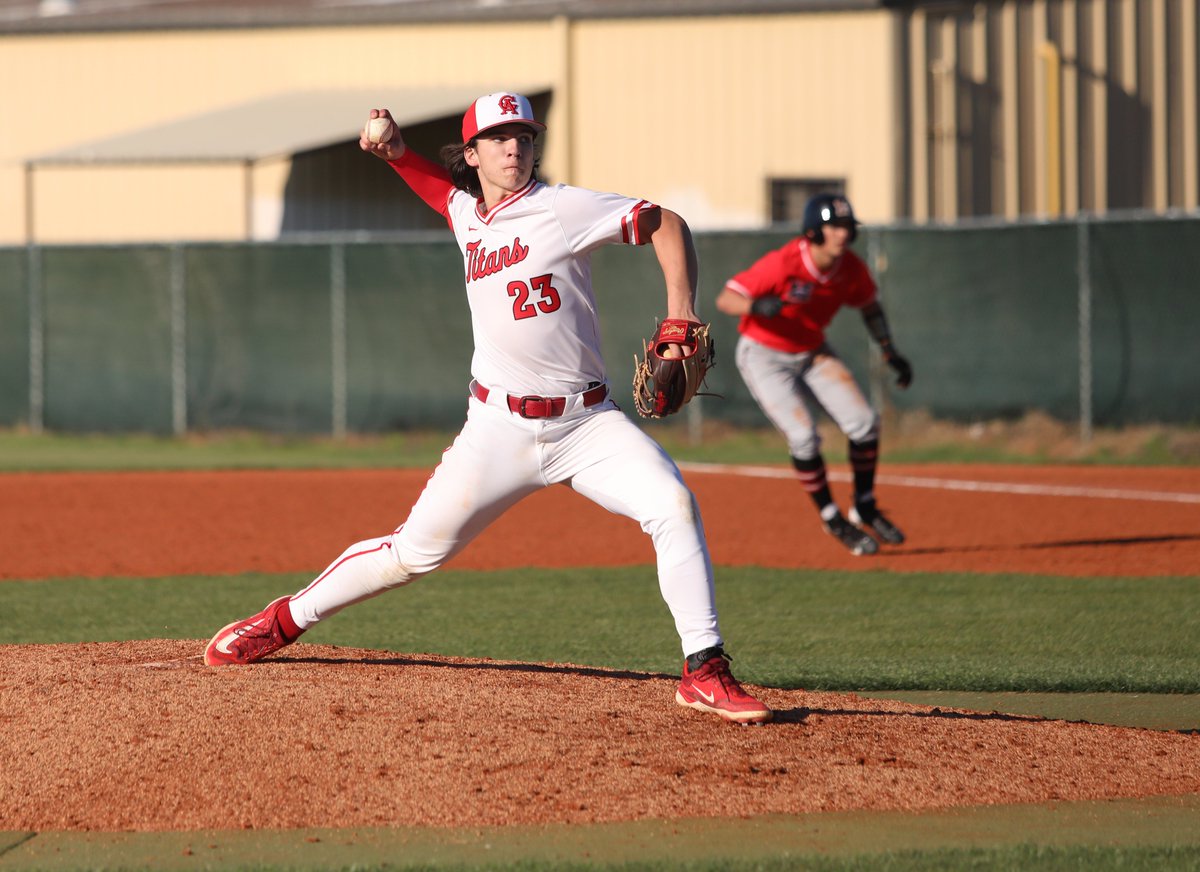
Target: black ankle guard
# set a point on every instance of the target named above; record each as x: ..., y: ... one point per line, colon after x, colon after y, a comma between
x: 695, y: 661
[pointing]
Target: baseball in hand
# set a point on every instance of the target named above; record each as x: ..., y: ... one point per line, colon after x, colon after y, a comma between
x: 379, y: 129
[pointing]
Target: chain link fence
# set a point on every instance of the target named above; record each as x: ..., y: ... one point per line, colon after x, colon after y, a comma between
x: 1089, y: 321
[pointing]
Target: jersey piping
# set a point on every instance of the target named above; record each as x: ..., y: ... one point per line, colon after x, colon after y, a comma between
x: 503, y: 204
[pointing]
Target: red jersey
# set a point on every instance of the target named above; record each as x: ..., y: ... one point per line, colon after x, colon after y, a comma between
x: 811, y: 298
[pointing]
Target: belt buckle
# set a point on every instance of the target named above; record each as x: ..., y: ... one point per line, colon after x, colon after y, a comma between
x: 521, y: 406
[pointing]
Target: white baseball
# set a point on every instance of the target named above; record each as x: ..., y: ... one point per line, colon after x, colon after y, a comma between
x: 379, y: 129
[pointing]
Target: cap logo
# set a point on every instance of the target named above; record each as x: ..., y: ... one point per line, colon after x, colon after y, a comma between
x: 492, y: 110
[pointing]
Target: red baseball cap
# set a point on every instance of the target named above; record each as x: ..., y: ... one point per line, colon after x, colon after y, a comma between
x: 492, y: 110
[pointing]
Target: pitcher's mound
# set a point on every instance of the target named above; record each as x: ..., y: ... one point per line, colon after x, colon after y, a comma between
x: 143, y: 736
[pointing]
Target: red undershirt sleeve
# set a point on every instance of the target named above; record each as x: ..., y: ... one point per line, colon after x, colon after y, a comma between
x: 428, y: 180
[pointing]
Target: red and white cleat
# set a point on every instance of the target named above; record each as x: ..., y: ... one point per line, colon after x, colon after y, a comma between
x: 712, y: 688
x: 253, y: 638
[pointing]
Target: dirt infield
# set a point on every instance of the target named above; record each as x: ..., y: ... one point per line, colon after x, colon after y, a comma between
x: 1078, y: 521
x: 142, y: 736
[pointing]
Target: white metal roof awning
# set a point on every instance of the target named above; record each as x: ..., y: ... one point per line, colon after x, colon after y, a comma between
x: 273, y: 126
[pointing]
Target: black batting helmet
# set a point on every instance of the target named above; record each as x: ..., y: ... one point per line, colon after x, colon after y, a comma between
x: 828, y: 209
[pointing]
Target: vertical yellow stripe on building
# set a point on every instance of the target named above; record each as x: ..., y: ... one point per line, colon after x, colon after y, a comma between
x: 1187, y: 67
x: 946, y: 102
x: 918, y: 65
x: 1050, y: 142
x: 1159, y: 58
x: 1009, y: 100
x: 979, y: 79
x: 1099, y: 104
x: 1070, y: 107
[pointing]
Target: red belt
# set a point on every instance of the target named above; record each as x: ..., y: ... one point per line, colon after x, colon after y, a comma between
x: 540, y: 407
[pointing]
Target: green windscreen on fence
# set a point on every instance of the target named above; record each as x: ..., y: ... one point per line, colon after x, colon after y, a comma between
x: 408, y: 336
x: 107, y: 339
x: 374, y: 336
x: 14, y: 337
x: 1145, y: 315
x: 988, y: 319
x: 258, y: 337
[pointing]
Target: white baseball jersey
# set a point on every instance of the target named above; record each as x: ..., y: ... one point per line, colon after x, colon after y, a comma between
x: 528, y: 277
x: 536, y: 331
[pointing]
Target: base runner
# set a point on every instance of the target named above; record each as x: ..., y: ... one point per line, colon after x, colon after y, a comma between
x: 539, y: 410
x: 786, y: 300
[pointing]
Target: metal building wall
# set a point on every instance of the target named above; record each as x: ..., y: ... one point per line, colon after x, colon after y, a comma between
x: 85, y: 86
x: 930, y: 110
x: 705, y: 111
x: 695, y: 113
x: 1051, y: 107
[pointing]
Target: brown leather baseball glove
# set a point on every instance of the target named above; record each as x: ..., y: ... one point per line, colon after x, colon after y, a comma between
x: 664, y: 385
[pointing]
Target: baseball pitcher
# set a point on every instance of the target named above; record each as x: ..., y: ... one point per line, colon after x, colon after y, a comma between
x: 539, y: 407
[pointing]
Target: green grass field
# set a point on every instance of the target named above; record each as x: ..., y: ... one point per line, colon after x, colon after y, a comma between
x: 871, y: 631
x: 821, y: 630
x: 910, y: 439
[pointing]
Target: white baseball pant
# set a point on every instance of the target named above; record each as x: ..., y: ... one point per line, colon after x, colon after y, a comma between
x: 500, y: 458
x: 786, y: 385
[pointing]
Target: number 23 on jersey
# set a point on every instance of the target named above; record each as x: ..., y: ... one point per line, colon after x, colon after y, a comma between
x: 536, y: 297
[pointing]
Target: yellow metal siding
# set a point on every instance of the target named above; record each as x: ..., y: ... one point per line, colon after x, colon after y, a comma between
x: 1018, y: 107
x: 699, y: 114
x: 1095, y: 105
x: 141, y: 203
x: 80, y: 87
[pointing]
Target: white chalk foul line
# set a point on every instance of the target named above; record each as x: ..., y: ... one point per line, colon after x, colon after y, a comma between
x: 1041, y: 490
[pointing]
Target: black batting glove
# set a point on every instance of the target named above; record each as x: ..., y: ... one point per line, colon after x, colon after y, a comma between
x: 903, y: 368
x: 766, y: 307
